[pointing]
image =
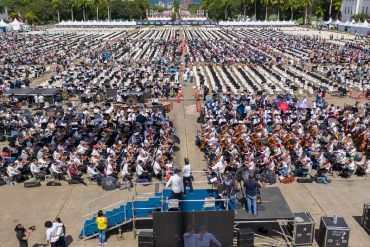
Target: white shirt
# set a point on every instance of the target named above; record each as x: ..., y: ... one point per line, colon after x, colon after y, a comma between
x: 11, y: 171
x: 157, y: 168
x: 124, y: 171
x: 139, y: 170
x: 34, y: 168
x: 206, y: 240
x: 186, y: 170
x: 176, y: 183
x: 190, y: 239
x: 51, y: 234
x: 91, y: 171
x: 60, y: 230
x: 109, y: 170
x: 367, y: 167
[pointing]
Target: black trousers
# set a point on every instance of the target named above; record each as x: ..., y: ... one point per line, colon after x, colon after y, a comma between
x: 184, y: 180
x: 176, y: 196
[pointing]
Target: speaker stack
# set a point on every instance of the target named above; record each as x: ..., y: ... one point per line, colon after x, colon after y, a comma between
x: 245, y: 237
x: 145, y: 239
x: 333, y: 232
x: 303, y: 229
x: 366, y: 217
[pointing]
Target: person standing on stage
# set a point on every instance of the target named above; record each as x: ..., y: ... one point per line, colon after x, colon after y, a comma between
x: 176, y: 184
x: 251, y: 186
x: 186, y: 175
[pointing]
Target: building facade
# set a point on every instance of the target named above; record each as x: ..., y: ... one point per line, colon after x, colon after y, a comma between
x: 354, y: 7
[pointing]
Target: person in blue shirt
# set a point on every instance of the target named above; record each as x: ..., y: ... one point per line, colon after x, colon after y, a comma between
x: 251, y: 186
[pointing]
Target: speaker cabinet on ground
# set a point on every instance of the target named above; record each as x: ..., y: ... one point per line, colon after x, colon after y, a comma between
x: 145, y: 239
x: 303, y: 229
x: 333, y: 234
x: 366, y: 217
x: 246, y: 237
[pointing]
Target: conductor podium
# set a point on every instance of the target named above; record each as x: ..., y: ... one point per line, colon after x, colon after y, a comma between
x: 333, y: 232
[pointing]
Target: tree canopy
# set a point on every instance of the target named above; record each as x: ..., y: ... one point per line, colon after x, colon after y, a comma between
x: 48, y: 11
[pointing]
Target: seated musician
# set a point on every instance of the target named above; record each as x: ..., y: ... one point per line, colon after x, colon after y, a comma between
x: 13, y: 173
x: 348, y: 168
x: 93, y: 172
x: 110, y: 169
x: 340, y: 155
x: 141, y: 173
x: 74, y: 173
x: 157, y: 168
x: 304, y: 166
x: 36, y: 171
x: 323, y: 164
x: 282, y: 167
x: 56, y: 171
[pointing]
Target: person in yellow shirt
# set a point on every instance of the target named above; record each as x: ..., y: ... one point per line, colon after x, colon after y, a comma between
x: 102, y: 224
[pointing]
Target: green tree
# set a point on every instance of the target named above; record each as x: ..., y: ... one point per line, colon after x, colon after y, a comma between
x: 31, y: 17
x: 73, y: 4
x: 97, y: 3
x: 292, y: 5
x: 108, y: 3
x: 337, y: 7
x: 360, y: 17
x: 19, y: 6
x: 279, y: 4
x: 225, y: 4
x: 57, y: 5
x: 84, y: 4
x: 266, y: 3
x: 176, y: 8
x: 143, y: 5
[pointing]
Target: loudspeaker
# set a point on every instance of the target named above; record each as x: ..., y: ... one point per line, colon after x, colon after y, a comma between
x: 333, y: 233
x: 246, y: 237
x: 303, y: 229
x: 366, y: 217
x: 109, y: 183
x: 145, y: 239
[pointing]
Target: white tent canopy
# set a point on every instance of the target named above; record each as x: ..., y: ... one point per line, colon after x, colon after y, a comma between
x: 16, y: 25
x: 257, y: 23
x: 6, y: 25
x: 3, y: 24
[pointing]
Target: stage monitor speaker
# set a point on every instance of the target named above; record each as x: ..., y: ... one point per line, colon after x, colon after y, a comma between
x: 303, y: 229
x: 246, y: 237
x: 366, y: 217
x: 333, y: 234
x: 109, y: 183
x: 145, y: 239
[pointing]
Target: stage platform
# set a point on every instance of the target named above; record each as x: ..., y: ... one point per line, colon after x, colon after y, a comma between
x: 272, y: 208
